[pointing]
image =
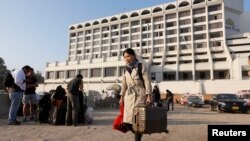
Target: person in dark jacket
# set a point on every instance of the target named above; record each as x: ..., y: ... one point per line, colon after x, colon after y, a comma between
x: 170, y: 99
x: 156, y: 96
x: 73, y: 87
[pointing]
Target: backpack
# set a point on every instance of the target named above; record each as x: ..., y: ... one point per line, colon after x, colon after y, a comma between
x: 9, y: 80
x: 139, y: 73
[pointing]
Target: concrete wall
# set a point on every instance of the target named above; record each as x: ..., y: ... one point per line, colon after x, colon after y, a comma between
x: 206, y: 87
x: 4, y: 104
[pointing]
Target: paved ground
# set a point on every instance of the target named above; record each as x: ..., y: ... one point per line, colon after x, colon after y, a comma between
x: 184, y: 124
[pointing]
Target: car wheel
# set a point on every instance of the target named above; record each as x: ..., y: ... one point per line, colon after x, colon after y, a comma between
x: 219, y: 110
x: 245, y: 111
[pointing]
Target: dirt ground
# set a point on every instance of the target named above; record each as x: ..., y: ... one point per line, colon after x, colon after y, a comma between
x: 184, y: 124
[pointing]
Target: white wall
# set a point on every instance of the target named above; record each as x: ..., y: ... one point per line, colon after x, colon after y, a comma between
x: 208, y: 87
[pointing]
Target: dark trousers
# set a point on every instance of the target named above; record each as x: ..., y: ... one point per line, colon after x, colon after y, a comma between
x: 170, y: 101
x: 138, y: 136
x: 72, y: 109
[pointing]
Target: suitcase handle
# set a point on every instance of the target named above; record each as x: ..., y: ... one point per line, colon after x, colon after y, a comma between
x: 135, y: 119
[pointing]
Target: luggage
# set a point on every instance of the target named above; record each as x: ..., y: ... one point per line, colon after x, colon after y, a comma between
x: 44, y: 106
x: 83, y: 107
x: 148, y: 120
x: 57, y: 115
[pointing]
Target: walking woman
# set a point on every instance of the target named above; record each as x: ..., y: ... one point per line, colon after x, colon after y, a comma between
x: 136, y: 88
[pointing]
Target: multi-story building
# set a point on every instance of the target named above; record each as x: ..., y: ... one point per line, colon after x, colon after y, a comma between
x: 189, y: 45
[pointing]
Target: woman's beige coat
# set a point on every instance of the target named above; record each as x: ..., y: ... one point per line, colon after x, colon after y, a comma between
x: 133, y: 91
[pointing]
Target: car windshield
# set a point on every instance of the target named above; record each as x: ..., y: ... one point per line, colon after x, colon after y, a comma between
x: 193, y: 98
x: 227, y: 96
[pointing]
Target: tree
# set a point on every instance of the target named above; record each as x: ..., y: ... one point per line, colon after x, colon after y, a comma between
x: 3, y: 72
x: 39, y: 77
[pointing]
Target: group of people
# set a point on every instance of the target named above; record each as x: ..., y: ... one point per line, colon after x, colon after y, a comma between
x: 157, y: 98
x: 136, y: 90
x: 23, y: 90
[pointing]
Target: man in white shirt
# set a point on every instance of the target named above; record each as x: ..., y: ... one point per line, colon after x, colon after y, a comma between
x: 16, y: 93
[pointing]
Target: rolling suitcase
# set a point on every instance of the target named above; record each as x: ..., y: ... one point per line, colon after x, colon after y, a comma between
x: 148, y: 120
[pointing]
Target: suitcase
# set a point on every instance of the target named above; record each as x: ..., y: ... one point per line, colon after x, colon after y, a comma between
x: 148, y: 120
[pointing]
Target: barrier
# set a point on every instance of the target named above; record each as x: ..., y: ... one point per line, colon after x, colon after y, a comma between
x: 4, y: 104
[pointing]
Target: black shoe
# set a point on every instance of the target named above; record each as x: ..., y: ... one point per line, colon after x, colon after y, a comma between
x: 14, y: 123
x: 67, y: 124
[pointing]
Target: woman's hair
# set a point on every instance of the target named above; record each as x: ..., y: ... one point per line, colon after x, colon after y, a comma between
x: 129, y: 51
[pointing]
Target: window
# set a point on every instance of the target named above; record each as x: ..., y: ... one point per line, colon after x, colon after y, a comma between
x: 50, y: 75
x: 110, y: 71
x: 84, y: 73
x: 172, y: 16
x: 171, y: 40
x: 170, y: 24
x: 167, y: 76
x: 216, y: 34
x: 200, y: 45
x: 184, y: 22
x: 200, y: 28
x: 199, y: 19
x: 134, y: 30
x: 199, y: 36
x: 115, y: 33
x: 71, y: 73
x: 214, y: 8
x: 184, y: 14
x: 134, y: 23
x: 125, y: 32
x: 185, y: 38
x: 114, y: 27
x: 153, y: 76
x: 185, y: 30
x: 105, y: 28
x: 123, y: 25
x: 96, y: 30
x: 171, y: 32
x: 60, y: 75
x: 158, y: 19
x: 80, y: 33
x: 215, y: 17
x: 96, y: 72
x: 198, y: 11
x: 215, y: 25
x: 171, y: 48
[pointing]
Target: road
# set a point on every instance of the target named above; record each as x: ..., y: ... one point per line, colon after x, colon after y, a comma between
x: 184, y: 124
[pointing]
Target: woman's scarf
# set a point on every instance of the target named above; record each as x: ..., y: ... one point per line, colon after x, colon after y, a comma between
x: 131, y: 65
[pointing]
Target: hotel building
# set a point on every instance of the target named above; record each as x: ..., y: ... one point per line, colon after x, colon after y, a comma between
x: 188, y: 46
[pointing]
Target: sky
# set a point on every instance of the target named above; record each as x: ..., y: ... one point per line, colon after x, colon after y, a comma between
x: 34, y: 32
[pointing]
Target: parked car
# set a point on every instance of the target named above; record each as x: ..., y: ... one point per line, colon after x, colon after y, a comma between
x: 228, y: 102
x: 184, y: 98
x: 195, y: 101
x: 245, y: 95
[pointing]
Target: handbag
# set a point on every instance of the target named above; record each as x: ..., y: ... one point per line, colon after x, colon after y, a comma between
x: 118, y: 121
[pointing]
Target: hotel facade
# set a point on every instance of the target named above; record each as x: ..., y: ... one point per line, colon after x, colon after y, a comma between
x: 188, y: 45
